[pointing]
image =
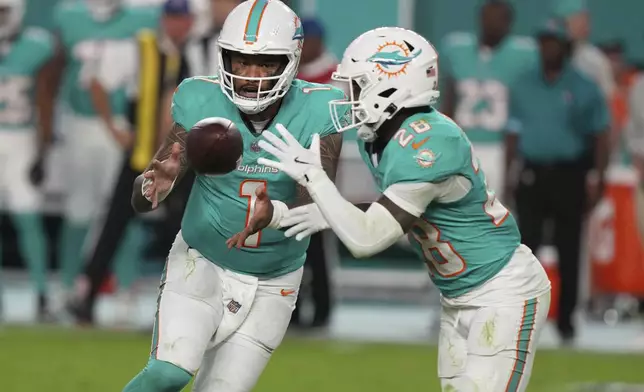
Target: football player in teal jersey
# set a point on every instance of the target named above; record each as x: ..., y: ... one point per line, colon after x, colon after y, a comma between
x: 93, y: 146
x: 225, y: 311
x: 476, y: 72
x: 24, y: 54
x: 495, y: 294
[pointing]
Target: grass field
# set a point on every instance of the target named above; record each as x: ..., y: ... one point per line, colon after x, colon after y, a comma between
x: 36, y: 360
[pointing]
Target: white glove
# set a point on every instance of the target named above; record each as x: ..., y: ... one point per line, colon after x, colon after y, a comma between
x: 304, y: 221
x: 294, y: 159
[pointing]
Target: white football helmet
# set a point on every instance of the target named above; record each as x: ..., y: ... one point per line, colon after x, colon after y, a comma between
x: 11, y: 19
x: 103, y: 10
x: 387, y: 69
x: 265, y: 27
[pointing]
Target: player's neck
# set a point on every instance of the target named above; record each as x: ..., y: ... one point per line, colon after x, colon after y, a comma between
x: 389, y: 128
x: 490, y: 42
x: 266, y: 115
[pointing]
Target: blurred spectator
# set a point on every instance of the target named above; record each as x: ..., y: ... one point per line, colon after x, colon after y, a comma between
x: 317, y: 63
x: 586, y: 56
x: 477, y: 72
x: 202, y: 50
x: 634, y: 131
x: 624, y: 75
x: 95, y: 131
x: 159, y: 69
x: 558, y: 120
x: 24, y: 53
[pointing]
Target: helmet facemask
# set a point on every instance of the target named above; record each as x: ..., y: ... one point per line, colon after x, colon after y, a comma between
x: 254, y: 94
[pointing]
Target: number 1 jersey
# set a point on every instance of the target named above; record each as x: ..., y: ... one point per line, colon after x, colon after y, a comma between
x: 464, y: 242
x: 220, y: 206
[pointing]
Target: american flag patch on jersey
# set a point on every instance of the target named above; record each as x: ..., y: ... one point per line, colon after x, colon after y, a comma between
x: 233, y: 306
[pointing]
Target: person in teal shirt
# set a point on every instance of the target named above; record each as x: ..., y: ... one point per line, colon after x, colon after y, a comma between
x: 558, y: 128
x: 25, y: 135
x: 477, y: 71
x: 95, y: 132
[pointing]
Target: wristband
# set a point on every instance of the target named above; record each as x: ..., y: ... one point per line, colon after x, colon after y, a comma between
x: 279, y: 210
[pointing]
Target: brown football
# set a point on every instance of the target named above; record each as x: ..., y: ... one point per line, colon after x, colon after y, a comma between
x: 214, y: 146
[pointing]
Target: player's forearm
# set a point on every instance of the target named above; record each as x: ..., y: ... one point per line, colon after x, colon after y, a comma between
x: 602, y: 154
x: 177, y: 134
x: 46, y: 93
x: 45, y: 107
x: 101, y: 102
x: 330, y: 149
x: 364, y: 233
x: 511, y: 147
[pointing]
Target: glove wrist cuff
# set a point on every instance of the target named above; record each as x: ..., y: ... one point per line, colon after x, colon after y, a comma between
x: 279, y: 210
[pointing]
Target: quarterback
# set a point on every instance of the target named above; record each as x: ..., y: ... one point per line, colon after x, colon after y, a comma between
x: 223, y: 312
x: 495, y: 294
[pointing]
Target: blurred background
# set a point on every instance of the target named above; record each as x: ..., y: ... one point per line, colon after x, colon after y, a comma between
x: 80, y: 254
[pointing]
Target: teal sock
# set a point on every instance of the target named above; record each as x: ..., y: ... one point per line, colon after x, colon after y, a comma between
x: 129, y: 255
x: 33, y: 246
x: 70, y: 255
x: 159, y: 376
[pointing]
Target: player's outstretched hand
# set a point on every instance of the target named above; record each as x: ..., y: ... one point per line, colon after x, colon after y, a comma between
x: 293, y: 159
x: 304, y: 221
x: 161, y: 176
x: 262, y: 215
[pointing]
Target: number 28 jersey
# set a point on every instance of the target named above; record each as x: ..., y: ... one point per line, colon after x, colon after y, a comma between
x: 220, y: 206
x: 464, y: 242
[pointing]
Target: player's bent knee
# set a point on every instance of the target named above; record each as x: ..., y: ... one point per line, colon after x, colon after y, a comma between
x: 161, y: 376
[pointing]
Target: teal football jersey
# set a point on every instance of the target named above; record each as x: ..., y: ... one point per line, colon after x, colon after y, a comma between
x: 465, y: 242
x: 220, y: 206
x: 19, y: 69
x: 82, y: 38
x: 481, y: 80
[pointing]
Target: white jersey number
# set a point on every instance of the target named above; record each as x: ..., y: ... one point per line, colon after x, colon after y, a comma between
x: 492, y: 207
x: 15, y: 105
x: 247, y: 190
x: 473, y: 93
x: 440, y: 256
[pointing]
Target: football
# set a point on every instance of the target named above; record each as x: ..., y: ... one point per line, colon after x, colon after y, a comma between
x: 214, y: 146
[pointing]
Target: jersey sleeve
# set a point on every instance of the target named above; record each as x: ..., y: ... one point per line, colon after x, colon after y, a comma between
x: 318, y: 97
x: 43, y: 44
x: 185, y: 102
x: 413, y: 197
x: 332, y: 94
